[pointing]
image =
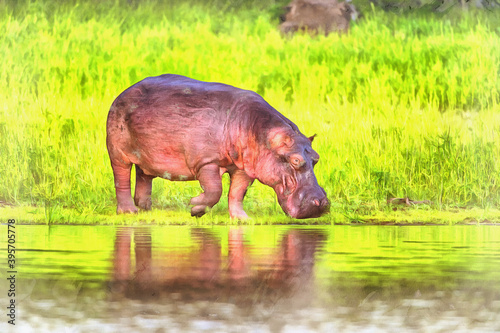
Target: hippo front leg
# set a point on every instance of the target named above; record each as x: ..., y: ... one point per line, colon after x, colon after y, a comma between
x: 240, y: 182
x: 210, y: 182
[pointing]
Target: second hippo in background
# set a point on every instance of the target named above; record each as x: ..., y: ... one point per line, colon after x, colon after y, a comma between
x: 318, y: 16
x: 180, y: 129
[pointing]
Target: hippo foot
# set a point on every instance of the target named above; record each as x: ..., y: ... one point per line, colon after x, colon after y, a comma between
x: 238, y: 215
x: 199, y: 210
x: 144, y: 204
x: 197, y: 200
x: 126, y: 209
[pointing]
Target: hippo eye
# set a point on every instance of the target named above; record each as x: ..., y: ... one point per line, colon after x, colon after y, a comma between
x: 297, y: 161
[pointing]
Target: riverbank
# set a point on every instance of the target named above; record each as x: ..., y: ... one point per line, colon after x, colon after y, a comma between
x: 392, y: 215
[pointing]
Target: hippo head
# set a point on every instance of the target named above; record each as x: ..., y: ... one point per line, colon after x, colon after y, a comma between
x: 287, y: 166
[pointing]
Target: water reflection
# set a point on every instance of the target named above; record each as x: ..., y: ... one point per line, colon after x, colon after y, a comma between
x: 266, y: 279
x: 239, y: 274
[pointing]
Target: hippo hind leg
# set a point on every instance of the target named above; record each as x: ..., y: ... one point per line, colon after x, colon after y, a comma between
x: 210, y: 181
x: 121, y: 172
x: 143, y: 188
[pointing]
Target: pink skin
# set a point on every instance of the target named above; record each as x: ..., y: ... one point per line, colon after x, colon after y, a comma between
x: 177, y: 128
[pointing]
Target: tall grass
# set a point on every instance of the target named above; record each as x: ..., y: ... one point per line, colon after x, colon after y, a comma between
x: 402, y: 106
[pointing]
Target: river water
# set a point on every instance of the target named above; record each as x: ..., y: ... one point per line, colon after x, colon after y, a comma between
x: 253, y: 279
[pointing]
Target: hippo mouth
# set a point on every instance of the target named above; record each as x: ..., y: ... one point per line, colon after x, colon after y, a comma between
x: 307, y: 209
x: 302, y: 203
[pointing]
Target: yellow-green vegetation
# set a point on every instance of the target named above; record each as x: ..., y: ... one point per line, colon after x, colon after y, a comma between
x: 403, y: 106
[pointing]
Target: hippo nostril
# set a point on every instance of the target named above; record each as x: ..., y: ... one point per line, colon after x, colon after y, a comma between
x: 316, y: 202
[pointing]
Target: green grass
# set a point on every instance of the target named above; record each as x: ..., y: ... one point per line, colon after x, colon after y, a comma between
x: 402, y: 106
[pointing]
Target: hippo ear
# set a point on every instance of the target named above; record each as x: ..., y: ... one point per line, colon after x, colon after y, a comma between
x: 311, y: 138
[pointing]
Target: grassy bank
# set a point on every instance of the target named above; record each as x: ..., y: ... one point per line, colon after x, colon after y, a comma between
x: 402, y: 106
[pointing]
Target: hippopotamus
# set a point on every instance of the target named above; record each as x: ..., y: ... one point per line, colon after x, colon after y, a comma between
x: 318, y: 15
x: 181, y: 129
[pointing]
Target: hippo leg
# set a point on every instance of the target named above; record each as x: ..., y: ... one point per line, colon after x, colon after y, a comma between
x: 240, y: 182
x: 143, y: 186
x: 124, y: 201
x: 210, y: 181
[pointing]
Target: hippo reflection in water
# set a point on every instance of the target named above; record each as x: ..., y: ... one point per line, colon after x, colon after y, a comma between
x: 204, y: 271
x: 179, y: 129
